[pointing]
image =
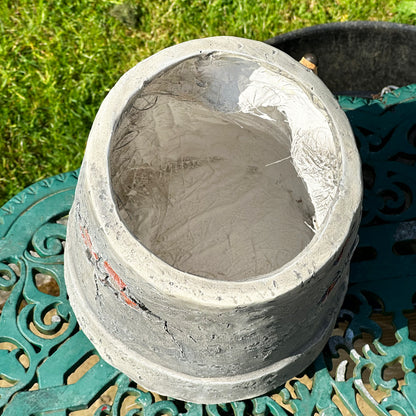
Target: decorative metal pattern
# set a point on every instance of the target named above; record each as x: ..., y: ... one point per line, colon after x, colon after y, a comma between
x: 48, y: 366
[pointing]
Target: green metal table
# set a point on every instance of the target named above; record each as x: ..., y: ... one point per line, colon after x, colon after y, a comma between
x: 49, y: 367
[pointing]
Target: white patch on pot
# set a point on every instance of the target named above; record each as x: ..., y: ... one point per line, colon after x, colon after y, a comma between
x: 220, y: 166
x: 312, y: 147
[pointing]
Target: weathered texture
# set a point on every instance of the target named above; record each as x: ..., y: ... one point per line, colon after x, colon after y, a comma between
x: 213, y: 337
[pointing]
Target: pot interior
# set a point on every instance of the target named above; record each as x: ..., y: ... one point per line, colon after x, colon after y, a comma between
x: 218, y: 165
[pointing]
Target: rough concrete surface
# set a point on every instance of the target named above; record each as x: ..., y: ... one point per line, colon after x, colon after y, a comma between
x: 216, y: 212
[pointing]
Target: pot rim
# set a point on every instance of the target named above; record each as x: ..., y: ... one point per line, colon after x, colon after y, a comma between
x: 356, y: 25
x: 323, y: 247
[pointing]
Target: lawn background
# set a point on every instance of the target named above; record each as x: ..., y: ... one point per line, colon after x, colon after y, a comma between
x: 59, y: 59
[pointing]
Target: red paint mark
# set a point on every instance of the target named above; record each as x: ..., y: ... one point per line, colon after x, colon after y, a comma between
x: 128, y: 300
x: 117, y: 279
x: 328, y: 291
x: 330, y: 288
x: 87, y: 241
x: 340, y: 255
x: 114, y: 275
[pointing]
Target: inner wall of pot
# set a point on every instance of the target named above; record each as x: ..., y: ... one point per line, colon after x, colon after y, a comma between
x: 204, y: 170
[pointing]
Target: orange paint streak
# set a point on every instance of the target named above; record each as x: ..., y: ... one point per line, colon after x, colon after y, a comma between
x: 114, y: 275
x: 128, y: 300
x: 87, y: 240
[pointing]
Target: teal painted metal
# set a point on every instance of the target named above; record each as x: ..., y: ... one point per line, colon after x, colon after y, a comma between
x: 40, y: 341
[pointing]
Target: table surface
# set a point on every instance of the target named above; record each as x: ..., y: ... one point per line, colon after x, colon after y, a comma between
x: 48, y: 366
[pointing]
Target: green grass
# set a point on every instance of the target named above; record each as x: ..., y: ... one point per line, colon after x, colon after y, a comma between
x: 60, y: 58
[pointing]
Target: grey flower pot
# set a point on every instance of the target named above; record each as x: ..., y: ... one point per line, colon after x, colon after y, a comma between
x: 215, y: 215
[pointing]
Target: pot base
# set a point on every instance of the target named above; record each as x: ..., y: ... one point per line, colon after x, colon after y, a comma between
x: 182, y: 386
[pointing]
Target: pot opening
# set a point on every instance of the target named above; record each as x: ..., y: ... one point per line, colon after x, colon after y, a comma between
x: 223, y: 168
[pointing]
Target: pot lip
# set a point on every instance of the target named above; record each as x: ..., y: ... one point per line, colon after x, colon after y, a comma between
x: 185, y: 286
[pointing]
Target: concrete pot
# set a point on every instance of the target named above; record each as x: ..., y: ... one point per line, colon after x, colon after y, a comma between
x: 215, y: 215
